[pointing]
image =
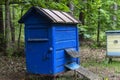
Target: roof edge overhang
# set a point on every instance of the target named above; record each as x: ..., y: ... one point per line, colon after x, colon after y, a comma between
x: 46, y: 14
x: 39, y: 11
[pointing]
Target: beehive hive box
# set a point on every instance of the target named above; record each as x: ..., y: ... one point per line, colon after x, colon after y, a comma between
x: 113, y: 43
x: 48, y: 35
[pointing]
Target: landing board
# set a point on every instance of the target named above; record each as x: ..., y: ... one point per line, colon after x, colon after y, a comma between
x: 88, y: 74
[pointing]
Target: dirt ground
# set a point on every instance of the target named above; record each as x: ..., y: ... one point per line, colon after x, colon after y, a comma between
x: 91, y: 55
x: 14, y: 68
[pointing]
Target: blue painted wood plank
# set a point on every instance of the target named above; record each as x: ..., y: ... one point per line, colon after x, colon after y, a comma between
x: 60, y: 69
x: 113, y: 53
x: 37, y: 33
x: 65, y: 35
x: 65, y: 44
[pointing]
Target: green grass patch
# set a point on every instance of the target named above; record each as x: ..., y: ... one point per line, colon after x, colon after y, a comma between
x: 114, y: 65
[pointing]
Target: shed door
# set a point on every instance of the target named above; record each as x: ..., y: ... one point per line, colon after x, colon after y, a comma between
x: 38, y: 53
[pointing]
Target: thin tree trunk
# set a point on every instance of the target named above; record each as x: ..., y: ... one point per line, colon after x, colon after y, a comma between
x: 7, y: 27
x: 19, y: 37
x: 57, y: 0
x: 81, y: 17
x: 71, y: 7
x: 115, y: 8
x: 12, y: 34
x: 12, y: 30
x: 12, y: 27
x: 98, y: 29
x: 1, y: 30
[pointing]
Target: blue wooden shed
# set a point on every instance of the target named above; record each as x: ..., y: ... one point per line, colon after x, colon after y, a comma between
x: 51, y: 41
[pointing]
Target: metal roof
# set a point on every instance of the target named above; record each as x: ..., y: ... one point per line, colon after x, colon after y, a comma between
x: 113, y: 31
x: 54, y: 15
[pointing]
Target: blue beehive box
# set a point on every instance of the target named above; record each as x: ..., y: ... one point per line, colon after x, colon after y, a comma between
x: 113, y: 43
x: 51, y: 41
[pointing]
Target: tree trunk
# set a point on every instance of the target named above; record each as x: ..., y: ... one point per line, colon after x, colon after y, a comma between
x: 12, y: 29
x: 7, y: 27
x: 1, y: 30
x: 98, y: 29
x: 81, y: 17
x: 71, y: 7
x: 19, y: 37
x: 57, y: 0
x: 115, y: 8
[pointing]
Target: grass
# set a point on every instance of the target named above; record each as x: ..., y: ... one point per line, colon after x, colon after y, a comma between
x: 114, y: 65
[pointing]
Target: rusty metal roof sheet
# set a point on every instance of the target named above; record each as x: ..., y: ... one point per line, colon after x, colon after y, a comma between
x: 55, y: 16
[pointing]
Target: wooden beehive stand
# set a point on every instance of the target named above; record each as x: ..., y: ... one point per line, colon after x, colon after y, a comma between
x: 78, y: 74
x: 30, y: 76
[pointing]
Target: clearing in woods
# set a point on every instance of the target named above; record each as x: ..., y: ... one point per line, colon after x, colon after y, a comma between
x: 91, y: 58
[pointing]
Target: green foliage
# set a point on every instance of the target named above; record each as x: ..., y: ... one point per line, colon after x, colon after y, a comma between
x: 59, y: 6
x: 50, y: 4
x: 90, y: 8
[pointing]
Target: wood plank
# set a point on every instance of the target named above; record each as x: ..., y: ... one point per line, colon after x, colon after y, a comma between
x: 113, y: 50
x: 72, y: 52
x: 115, y: 46
x: 113, y: 36
x: 88, y: 74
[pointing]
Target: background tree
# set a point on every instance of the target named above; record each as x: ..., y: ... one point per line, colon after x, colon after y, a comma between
x: 12, y: 27
x: 1, y: 29
x: 7, y: 27
x: 97, y: 16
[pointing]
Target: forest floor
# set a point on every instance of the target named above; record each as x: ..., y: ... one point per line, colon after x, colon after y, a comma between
x: 91, y: 58
x: 95, y: 61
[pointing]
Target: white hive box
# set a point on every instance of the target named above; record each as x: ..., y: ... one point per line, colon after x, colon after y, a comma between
x: 113, y: 43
